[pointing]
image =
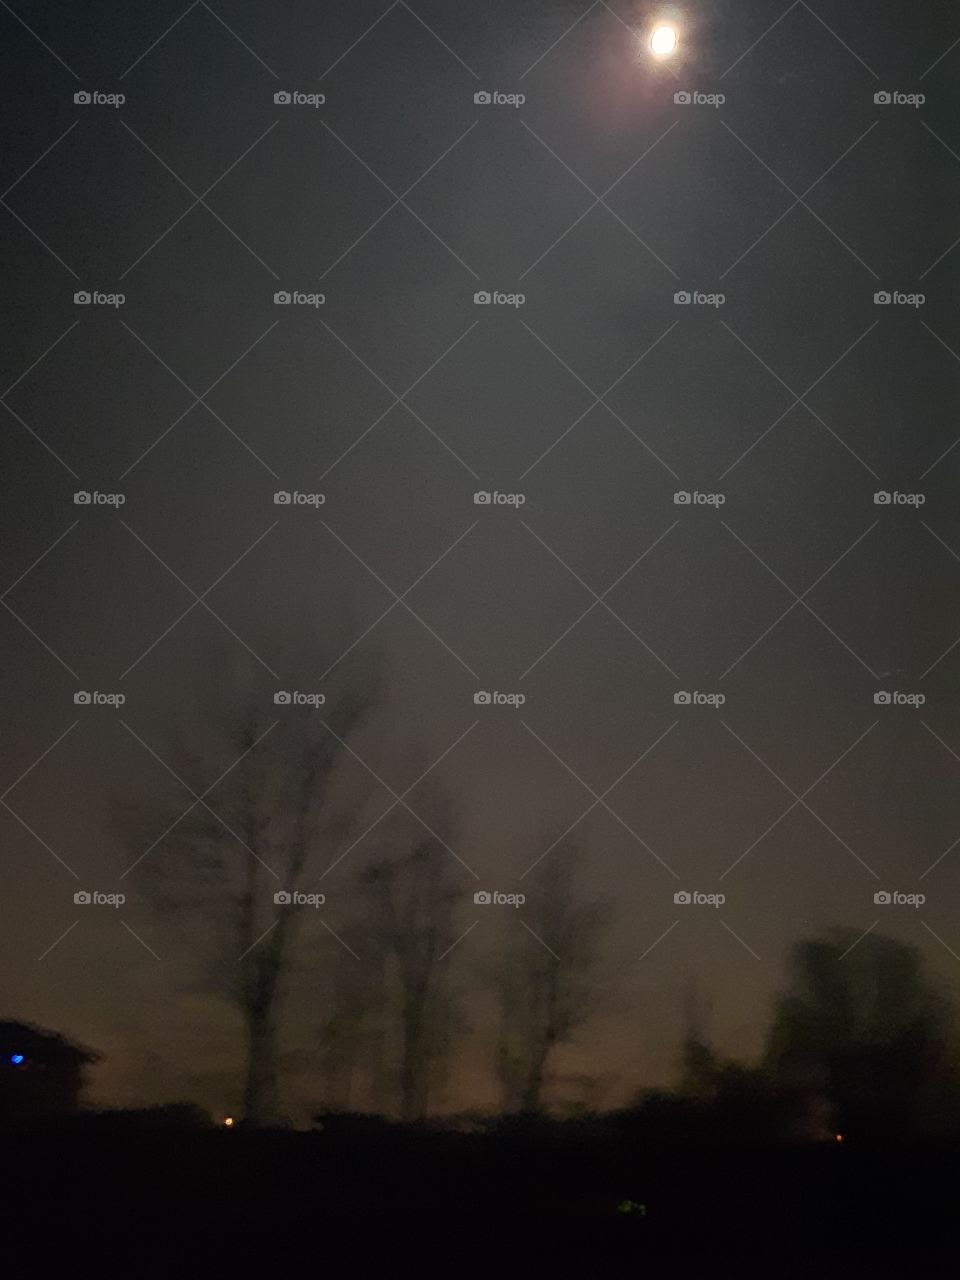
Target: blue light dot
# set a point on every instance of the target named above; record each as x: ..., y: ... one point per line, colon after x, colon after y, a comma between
x: 16, y: 1059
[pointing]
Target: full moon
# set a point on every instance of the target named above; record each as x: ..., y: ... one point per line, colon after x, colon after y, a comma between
x: 663, y: 41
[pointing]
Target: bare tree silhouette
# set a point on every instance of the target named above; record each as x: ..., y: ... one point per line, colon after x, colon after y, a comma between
x: 549, y: 983
x: 415, y: 901
x: 240, y: 856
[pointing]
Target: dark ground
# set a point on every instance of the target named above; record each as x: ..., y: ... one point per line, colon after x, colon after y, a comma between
x: 142, y: 1200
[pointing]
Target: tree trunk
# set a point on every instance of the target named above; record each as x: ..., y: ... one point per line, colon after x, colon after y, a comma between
x: 533, y: 1090
x: 412, y: 1083
x: 260, y: 1090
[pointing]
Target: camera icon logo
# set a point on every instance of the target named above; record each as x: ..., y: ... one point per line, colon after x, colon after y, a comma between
x: 482, y: 99
x: 282, y: 98
x: 881, y: 699
x: 682, y: 298
x: 281, y: 698
x: 882, y: 898
x: 82, y: 898
x: 882, y: 98
x: 282, y: 298
x: 281, y: 498
x: 482, y: 299
x: 482, y: 898
x: 882, y: 498
x: 882, y: 298
x: 82, y: 298
x: 81, y: 698
x: 81, y: 98
x: 682, y: 898
x: 681, y: 498
x: 81, y: 498
x: 282, y: 898
x: 681, y: 698
x: 481, y: 498
x: 482, y: 698
x: 683, y: 97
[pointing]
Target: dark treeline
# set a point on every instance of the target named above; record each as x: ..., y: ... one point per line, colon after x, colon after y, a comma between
x: 860, y: 1041
x: 861, y: 1046
x: 849, y: 1114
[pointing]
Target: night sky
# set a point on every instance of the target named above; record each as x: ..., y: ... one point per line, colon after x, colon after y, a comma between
x: 797, y: 198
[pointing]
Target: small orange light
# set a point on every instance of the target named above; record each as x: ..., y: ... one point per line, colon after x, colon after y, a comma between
x: 838, y: 1137
x: 228, y: 1123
